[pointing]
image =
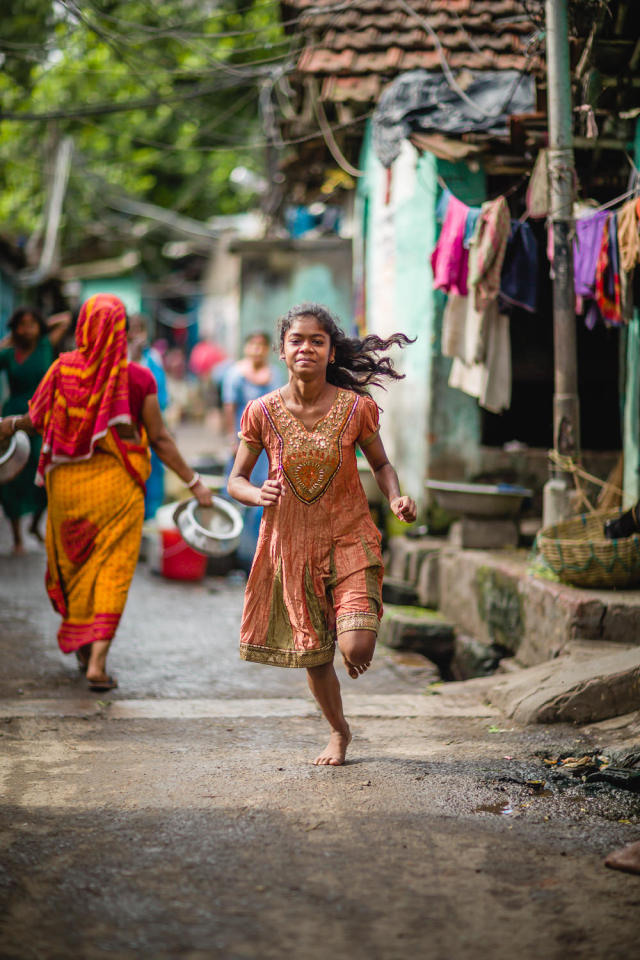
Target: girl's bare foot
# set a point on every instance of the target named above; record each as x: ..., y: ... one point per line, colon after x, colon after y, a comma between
x: 19, y: 550
x: 354, y: 670
x: 336, y: 750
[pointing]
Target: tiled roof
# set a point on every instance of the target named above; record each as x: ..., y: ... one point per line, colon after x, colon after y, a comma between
x: 357, y: 47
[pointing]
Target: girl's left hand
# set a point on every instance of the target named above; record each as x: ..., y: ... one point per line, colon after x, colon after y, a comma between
x: 404, y: 508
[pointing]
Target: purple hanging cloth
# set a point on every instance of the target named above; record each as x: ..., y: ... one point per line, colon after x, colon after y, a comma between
x: 586, y: 248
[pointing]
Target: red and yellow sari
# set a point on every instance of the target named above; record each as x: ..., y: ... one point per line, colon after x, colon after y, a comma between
x: 94, y: 479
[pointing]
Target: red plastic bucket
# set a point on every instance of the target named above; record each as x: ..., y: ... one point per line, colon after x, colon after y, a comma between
x: 177, y: 560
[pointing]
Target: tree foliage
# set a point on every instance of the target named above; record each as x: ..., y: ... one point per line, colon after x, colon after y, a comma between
x: 194, y: 68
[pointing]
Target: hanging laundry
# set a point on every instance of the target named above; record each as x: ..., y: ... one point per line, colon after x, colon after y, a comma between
x: 471, y: 224
x: 454, y: 324
x: 607, y: 284
x: 489, y: 245
x: 586, y: 249
x: 538, y: 189
x: 484, y: 368
x: 628, y: 237
x: 450, y: 260
x: 519, y: 277
x: 489, y: 381
x: 629, y: 246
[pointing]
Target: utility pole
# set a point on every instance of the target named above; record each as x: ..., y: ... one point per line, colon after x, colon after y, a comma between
x: 566, y: 412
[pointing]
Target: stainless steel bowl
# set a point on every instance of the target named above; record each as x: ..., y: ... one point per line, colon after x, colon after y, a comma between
x: 14, y: 454
x: 214, y: 531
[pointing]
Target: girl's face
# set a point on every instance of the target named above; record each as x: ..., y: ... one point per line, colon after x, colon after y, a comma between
x: 27, y: 331
x: 307, y: 348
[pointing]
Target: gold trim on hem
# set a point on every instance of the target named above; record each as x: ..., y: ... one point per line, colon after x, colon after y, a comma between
x: 357, y: 621
x: 286, y: 658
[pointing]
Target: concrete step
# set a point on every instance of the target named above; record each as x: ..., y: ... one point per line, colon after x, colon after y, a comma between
x: 493, y: 598
x: 421, y: 630
x: 572, y: 689
x: 407, y: 553
x: 399, y: 592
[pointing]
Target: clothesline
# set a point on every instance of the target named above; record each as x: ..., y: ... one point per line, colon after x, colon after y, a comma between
x: 634, y: 191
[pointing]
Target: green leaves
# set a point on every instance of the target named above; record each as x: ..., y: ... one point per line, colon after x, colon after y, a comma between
x: 196, y: 67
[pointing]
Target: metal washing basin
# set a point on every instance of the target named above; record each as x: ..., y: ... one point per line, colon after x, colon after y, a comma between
x: 479, y: 499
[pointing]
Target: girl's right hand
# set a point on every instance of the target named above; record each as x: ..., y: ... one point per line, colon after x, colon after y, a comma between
x: 270, y: 492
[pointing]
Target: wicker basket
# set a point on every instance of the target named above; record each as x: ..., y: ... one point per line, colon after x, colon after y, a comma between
x: 578, y: 553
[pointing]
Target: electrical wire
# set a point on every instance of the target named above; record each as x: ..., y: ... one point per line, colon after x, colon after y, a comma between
x: 331, y: 141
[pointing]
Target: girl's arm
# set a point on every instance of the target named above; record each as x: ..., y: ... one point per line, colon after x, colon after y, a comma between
x: 240, y: 487
x: 387, y: 479
x: 165, y: 447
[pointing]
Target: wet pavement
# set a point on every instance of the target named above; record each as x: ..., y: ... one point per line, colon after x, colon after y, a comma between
x: 179, y: 816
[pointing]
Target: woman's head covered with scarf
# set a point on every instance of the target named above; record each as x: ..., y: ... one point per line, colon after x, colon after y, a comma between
x: 86, y: 390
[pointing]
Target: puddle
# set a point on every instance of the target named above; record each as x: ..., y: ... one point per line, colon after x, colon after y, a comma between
x: 503, y: 809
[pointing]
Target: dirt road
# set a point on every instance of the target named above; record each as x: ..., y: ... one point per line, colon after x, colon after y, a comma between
x: 179, y: 816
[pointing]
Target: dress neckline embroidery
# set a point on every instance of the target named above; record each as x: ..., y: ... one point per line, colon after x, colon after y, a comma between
x: 318, y: 422
x: 310, y: 459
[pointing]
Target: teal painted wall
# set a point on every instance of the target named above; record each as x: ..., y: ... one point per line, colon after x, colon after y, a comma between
x: 456, y: 419
x: 275, y: 279
x: 631, y: 419
x: 7, y: 301
x: 128, y: 289
x: 428, y: 428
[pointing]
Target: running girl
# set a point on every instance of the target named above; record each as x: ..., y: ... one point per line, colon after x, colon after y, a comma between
x: 317, y: 572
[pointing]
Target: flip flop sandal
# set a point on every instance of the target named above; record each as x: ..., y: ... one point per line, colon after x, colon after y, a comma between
x: 101, y: 686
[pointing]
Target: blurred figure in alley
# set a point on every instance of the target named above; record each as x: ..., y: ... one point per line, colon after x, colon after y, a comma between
x: 248, y: 379
x: 141, y: 352
x: 25, y: 356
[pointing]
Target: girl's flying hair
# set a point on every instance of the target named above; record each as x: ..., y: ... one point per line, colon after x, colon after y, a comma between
x: 356, y: 365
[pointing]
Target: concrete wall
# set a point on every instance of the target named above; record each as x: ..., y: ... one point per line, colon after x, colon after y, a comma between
x: 277, y: 274
x: 128, y: 289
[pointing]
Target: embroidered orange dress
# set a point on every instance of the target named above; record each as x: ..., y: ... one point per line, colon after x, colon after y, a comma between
x: 318, y: 569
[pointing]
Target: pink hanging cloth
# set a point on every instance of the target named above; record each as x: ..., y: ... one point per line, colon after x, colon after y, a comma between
x: 450, y: 259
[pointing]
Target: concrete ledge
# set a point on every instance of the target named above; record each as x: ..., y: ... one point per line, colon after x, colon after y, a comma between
x: 414, y: 628
x: 492, y: 597
x: 572, y: 689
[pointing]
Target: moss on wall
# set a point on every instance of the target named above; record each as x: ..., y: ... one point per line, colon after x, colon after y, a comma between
x: 500, y: 607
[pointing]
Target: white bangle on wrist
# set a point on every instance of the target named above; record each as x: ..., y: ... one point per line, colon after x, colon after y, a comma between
x: 195, y: 479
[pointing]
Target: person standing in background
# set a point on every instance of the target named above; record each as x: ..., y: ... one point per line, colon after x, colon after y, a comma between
x: 25, y: 356
x: 248, y: 379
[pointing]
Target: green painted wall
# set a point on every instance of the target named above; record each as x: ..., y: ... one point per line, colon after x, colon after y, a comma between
x: 129, y: 289
x: 428, y: 428
x: 631, y: 419
x: 7, y: 301
x: 276, y: 277
x: 454, y: 451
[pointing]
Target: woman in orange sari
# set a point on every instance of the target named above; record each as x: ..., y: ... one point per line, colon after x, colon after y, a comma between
x: 97, y: 414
